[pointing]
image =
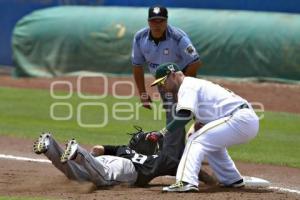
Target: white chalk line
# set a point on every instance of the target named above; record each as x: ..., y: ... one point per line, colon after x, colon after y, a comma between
x: 280, y: 189
x: 10, y: 157
x: 18, y: 158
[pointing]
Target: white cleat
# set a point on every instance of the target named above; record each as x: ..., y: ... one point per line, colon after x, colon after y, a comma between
x: 70, y: 151
x: 181, y: 187
x: 42, y: 143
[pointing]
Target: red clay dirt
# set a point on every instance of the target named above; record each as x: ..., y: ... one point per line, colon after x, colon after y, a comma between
x: 19, y: 178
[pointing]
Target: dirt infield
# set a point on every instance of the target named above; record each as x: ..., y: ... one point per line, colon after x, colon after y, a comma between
x: 19, y: 178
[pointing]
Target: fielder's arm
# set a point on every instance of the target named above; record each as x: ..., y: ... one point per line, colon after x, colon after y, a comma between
x: 180, y: 120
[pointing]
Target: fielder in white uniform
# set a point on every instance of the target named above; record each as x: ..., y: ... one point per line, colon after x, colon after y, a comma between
x: 228, y: 120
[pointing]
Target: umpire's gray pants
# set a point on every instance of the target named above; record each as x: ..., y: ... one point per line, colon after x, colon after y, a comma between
x: 102, y: 170
x: 173, y: 143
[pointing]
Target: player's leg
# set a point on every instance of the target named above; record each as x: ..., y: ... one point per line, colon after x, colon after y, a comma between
x: 240, y: 128
x: 46, y: 144
x: 224, y: 167
x: 195, y: 151
x: 211, y: 143
x: 213, y: 137
x: 103, y: 170
x: 108, y: 170
x: 186, y: 171
x: 173, y: 143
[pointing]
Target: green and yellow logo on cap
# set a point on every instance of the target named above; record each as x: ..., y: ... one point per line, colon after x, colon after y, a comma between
x: 163, y: 70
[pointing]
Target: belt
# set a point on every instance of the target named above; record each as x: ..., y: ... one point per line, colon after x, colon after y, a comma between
x: 243, y: 106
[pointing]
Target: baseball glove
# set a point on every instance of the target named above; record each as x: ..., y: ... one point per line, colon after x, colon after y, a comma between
x: 139, y: 143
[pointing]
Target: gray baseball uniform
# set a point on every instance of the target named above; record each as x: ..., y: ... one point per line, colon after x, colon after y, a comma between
x: 102, y: 170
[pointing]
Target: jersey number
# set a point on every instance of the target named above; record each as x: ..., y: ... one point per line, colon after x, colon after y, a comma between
x: 139, y: 158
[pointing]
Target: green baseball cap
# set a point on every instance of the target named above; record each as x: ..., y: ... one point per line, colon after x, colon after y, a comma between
x: 163, y: 70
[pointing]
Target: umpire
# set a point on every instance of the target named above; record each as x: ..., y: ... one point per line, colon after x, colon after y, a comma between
x: 160, y: 43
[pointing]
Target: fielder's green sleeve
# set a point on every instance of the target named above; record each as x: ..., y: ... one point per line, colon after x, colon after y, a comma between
x: 181, y: 118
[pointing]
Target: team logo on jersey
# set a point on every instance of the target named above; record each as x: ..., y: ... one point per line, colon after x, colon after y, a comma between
x: 166, y: 51
x: 191, y: 50
x: 156, y: 10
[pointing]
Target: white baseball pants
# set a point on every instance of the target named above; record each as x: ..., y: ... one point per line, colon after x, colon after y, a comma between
x: 211, y: 142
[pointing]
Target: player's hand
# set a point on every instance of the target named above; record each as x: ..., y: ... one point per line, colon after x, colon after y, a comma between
x: 97, y: 150
x: 154, y: 136
x: 146, y: 101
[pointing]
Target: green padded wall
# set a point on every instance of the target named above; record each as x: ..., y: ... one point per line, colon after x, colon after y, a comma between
x: 62, y: 40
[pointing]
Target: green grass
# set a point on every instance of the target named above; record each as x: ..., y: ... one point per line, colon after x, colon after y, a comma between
x: 25, y: 113
x: 278, y: 141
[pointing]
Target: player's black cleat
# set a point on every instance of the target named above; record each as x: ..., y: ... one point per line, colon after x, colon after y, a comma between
x: 42, y: 143
x: 70, y: 151
x: 181, y: 187
x: 238, y: 184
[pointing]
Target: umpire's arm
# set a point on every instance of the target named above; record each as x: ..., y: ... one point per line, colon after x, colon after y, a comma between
x: 191, y: 69
x: 139, y: 77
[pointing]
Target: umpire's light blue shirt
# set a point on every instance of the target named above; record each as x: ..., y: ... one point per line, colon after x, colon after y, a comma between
x: 176, y: 48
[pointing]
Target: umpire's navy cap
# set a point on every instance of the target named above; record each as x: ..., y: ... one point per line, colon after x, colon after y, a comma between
x: 157, y: 12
